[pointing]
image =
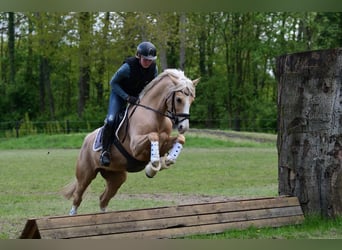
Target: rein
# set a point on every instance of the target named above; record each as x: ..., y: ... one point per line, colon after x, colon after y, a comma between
x: 170, y: 114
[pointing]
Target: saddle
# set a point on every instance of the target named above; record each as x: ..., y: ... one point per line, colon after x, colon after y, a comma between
x: 133, y: 165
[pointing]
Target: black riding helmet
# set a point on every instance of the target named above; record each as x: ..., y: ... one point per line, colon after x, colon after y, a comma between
x: 147, y: 50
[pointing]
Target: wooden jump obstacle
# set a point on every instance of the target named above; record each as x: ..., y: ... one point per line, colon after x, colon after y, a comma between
x: 169, y: 222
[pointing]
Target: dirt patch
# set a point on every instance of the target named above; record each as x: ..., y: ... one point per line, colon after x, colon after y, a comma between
x: 178, y: 199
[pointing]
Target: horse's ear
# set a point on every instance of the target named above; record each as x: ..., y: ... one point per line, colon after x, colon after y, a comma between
x: 196, y: 81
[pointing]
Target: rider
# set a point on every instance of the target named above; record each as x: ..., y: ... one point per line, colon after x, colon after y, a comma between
x: 126, y: 84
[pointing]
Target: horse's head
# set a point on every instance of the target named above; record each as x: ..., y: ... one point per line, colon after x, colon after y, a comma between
x: 175, y: 95
x: 180, y: 98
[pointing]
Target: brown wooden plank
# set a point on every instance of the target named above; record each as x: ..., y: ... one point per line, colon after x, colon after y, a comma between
x: 204, y: 229
x: 162, y: 212
x: 175, y: 222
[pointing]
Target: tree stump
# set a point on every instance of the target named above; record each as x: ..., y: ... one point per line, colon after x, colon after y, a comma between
x: 310, y: 129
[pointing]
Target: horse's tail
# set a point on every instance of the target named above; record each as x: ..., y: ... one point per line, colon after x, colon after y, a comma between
x: 69, y: 189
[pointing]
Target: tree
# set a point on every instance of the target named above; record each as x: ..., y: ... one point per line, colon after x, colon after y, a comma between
x: 45, y: 41
x: 84, y: 61
x: 182, y: 38
x: 11, y: 47
x: 309, y: 130
x: 162, y: 28
x: 64, y: 61
x: 102, y: 46
x: 329, y: 26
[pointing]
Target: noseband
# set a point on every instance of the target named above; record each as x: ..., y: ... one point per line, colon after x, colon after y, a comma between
x: 175, y: 117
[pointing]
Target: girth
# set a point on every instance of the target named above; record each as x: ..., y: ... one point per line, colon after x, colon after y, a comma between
x: 133, y: 165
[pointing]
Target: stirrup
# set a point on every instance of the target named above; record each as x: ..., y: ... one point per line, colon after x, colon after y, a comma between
x: 105, y: 158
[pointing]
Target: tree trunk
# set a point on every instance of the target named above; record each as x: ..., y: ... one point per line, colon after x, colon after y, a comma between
x: 101, y: 67
x: 42, y: 77
x: 11, y: 47
x: 84, y: 64
x: 2, y: 64
x: 163, y: 58
x: 29, y: 64
x: 45, y: 88
x: 310, y: 130
x: 182, y: 42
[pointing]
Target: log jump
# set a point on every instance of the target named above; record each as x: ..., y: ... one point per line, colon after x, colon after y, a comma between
x: 169, y: 222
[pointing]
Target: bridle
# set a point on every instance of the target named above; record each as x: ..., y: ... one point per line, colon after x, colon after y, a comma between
x: 175, y: 117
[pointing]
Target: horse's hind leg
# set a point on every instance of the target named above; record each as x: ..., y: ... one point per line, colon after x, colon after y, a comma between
x: 83, y: 181
x: 114, y: 181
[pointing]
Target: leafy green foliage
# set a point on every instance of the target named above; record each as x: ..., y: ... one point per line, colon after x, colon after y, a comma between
x: 233, y: 53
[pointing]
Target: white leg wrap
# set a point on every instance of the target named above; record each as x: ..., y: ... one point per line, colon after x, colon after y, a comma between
x: 73, y: 210
x: 174, y: 152
x: 155, y: 151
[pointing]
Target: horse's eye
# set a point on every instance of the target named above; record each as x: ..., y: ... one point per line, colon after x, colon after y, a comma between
x: 179, y: 100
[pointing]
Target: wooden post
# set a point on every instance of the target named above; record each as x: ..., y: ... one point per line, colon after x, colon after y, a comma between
x: 310, y: 129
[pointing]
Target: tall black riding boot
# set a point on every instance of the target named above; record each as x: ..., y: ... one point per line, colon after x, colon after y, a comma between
x: 107, y: 140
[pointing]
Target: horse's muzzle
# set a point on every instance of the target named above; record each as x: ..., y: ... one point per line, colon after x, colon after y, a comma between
x: 183, y: 127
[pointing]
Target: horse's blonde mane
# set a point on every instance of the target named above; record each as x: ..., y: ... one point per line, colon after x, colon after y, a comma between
x: 182, y: 80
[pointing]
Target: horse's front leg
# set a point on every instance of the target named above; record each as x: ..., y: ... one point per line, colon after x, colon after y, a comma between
x: 172, y: 145
x: 174, y: 152
x: 155, y: 155
x: 147, y: 145
x: 155, y: 164
x: 144, y: 145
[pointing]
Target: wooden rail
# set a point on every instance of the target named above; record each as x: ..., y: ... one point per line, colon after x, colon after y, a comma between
x: 169, y: 222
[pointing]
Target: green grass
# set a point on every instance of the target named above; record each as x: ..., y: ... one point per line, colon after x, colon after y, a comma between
x: 33, y: 170
x: 194, y: 139
x: 314, y: 227
x: 43, y: 141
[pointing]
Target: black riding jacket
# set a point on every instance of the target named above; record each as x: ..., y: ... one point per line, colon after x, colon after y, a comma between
x: 131, y: 77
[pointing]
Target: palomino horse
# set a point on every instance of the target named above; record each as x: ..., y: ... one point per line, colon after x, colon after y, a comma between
x: 143, y: 139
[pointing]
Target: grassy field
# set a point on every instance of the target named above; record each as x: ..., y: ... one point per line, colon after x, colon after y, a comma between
x: 34, y: 169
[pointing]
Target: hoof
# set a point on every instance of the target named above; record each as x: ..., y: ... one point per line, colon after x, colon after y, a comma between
x: 148, y: 176
x: 181, y: 139
x: 73, y: 211
x: 166, y: 163
x: 151, y: 170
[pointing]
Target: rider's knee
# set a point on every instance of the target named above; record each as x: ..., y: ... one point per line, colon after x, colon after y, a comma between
x: 110, y: 119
